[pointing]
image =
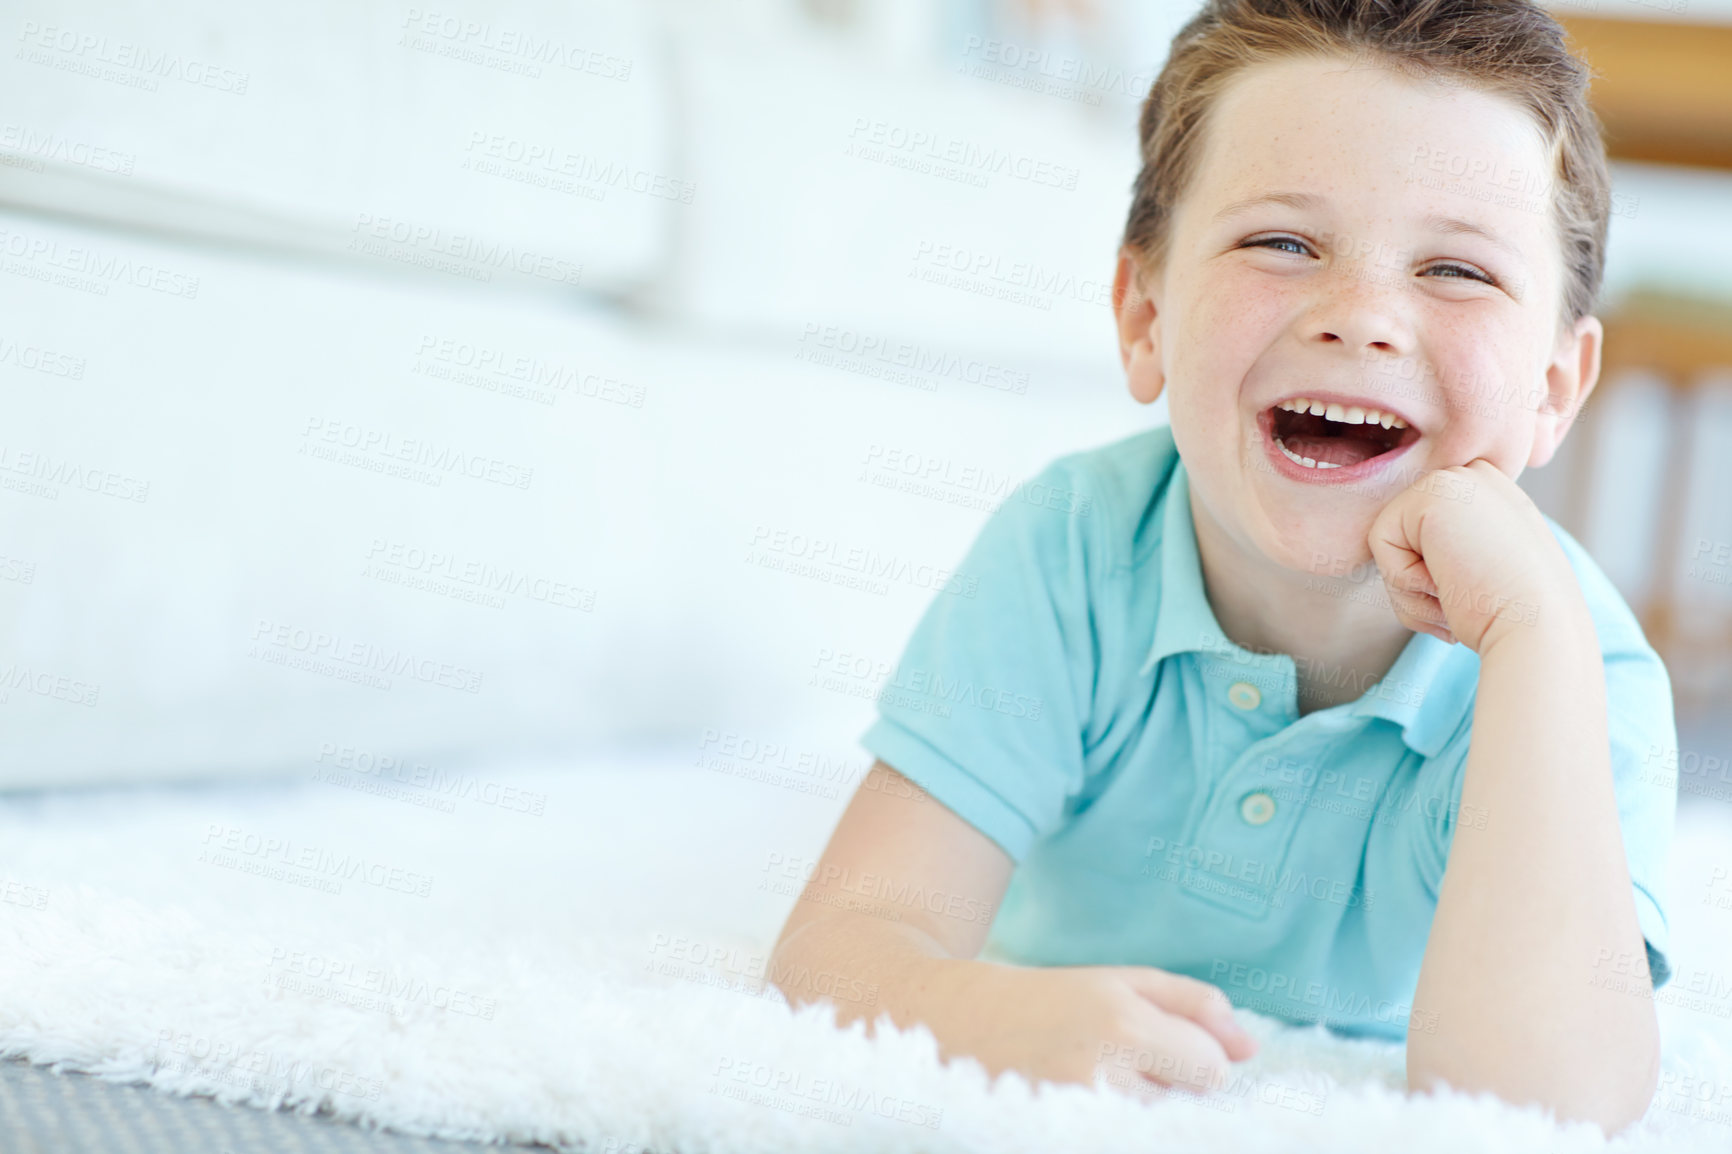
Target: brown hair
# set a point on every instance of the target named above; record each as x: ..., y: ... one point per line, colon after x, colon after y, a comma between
x: 1509, y: 47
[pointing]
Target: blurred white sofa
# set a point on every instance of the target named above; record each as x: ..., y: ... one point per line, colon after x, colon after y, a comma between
x: 271, y: 496
x: 409, y: 132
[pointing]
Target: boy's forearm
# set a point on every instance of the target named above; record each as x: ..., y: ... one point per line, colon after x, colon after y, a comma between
x: 865, y: 965
x: 1538, y: 897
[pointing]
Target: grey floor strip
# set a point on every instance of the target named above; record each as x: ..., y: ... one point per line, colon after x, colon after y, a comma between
x: 42, y: 1112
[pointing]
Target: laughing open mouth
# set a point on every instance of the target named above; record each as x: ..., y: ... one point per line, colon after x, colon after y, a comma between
x: 1329, y: 435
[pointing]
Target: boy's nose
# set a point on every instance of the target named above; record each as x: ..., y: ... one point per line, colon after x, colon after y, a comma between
x: 1364, y: 320
x: 1371, y: 344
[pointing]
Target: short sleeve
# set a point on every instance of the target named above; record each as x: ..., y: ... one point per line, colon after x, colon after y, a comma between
x: 1643, y: 750
x: 1644, y: 762
x: 986, y: 709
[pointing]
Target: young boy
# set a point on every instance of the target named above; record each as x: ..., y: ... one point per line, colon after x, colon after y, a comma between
x: 1314, y: 713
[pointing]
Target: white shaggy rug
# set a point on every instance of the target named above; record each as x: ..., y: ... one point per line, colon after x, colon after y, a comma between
x: 574, y: 958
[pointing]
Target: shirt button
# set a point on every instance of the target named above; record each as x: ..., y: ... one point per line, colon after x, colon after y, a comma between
x: 1257, y: 808
x: 1244, y: 695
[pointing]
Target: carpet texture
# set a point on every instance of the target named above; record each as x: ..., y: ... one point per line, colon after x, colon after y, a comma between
x: 575, y: 957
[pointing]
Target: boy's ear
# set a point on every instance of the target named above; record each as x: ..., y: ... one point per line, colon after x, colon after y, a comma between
x: 1570, y: 379
x: 1139, y: 330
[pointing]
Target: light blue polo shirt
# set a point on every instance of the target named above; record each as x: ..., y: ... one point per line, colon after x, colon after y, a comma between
x: 1165, y: 803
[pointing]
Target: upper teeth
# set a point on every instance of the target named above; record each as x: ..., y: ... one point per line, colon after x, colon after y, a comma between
x: 1346, y: 414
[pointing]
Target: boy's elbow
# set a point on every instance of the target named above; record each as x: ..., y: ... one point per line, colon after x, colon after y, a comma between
x: 1613, y: 1112
x: 1604, y: 1085
x: 1643, y: 1088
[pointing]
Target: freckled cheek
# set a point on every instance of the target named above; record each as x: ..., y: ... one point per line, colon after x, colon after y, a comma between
x: 1244, y: 302
x: 1491, y: 397
x: 1228, y: 323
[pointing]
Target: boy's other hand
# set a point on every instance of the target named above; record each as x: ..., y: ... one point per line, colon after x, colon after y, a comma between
x: 1133, y: 1027
x: 1467, y: 556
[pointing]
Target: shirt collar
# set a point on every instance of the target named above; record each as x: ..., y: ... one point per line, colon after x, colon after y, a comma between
x: 1185, y: 620
x: 1426, y: 692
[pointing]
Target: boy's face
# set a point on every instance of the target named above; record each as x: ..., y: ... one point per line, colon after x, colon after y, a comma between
x: 1355, y: 238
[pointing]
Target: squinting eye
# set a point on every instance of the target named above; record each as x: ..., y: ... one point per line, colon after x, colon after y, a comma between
x: 1459, y: 271
x: 1296, y: 247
